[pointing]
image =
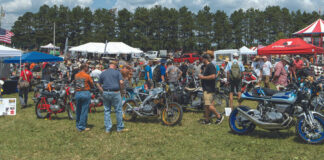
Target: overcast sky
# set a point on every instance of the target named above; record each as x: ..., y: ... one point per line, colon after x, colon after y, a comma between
x: 16, y: 8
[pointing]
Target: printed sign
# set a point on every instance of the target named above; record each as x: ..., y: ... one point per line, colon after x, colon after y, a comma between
x: 8, y: 106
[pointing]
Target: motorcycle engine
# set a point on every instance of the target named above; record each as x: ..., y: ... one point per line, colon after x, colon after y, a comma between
x: 273, y: 116
x: 147, y: 108
x: 55, y: 107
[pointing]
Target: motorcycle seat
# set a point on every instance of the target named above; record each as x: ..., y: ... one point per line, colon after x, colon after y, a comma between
x: 48, y: 94
x: 269, y: 92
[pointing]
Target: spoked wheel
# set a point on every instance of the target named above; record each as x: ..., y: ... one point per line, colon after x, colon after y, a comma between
x: 172, y: 115
x: 238, y: 123
x: 41, y: 108
x: 309, y: 134
x: 70, y: 108
x: 128, y: 110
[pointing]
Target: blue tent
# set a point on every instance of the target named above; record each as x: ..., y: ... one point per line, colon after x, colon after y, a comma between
x: 34, y: 57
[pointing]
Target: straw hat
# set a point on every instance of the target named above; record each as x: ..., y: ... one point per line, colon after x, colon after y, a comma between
x: 226, y: 59
x: 285, y: 58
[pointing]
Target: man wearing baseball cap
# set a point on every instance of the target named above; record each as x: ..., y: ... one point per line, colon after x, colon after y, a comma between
x: 234, y: 70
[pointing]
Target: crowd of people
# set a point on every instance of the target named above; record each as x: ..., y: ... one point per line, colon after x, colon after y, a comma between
x: 114, y: 77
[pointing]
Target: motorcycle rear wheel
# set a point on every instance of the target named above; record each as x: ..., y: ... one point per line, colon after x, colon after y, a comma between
x: 312, y: 136
x: 128, y: 113
x: 40, y: 110
x: 71, y: 108
x: 238, y: 127
x: 172, y: 115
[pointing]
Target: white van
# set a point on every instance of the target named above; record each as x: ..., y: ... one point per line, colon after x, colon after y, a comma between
x: 151, y: 54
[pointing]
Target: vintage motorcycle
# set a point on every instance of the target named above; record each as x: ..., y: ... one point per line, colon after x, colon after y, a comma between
x: 96, y: 97
x: 57, y: 99
x: 277, y: 111
x: 154, y: 105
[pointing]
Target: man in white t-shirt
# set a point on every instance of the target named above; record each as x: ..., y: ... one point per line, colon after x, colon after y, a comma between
x: 266, y: 71
x: 95, y: 74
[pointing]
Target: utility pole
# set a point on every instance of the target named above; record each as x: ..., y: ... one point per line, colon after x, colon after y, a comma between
x: 2, y: 14
x: 54, y: 35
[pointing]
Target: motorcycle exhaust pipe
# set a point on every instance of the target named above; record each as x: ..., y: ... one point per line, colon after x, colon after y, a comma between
x: 266, y: 125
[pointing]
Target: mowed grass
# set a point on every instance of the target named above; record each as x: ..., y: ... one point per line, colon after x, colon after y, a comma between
x: 25, y: 137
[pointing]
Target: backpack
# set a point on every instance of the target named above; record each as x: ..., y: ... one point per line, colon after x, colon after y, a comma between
x: 157, y: 73
x: 79, y: 83
x: 235, y: 71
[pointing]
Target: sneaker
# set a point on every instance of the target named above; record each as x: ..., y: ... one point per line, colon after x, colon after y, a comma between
x: 205, y: 122
x: 123, y: 130
x: 220, y: 120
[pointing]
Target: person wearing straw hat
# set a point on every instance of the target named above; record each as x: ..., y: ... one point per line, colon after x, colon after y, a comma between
x: 280, y: 77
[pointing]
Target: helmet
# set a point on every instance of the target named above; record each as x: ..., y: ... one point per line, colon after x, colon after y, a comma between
x: 1, y: 82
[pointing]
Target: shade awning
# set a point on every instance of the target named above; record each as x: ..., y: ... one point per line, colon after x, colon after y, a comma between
x: 111, y: 48
x: 35, y: 57
x: 290, y: 46
x: 316, y: 27
x: 9, y: 52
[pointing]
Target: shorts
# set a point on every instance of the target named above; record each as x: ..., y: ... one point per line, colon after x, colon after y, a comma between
x: 149, y: 83
x: 236, y: 85
x: 208, y: 98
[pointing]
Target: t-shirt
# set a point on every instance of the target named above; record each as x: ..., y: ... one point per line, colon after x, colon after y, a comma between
x: 87, y: 79
x: 257, y: 67
x: 29, y: 75
x: 163, y: 70
x: 266, y: 68
x: 148, y: 69
x: 209, y: 85
x: 110, y: 79
x: 95, y: 73
x: 299, y: 64
x: 229, y: 65
x: 173, y: 73
x: 184, y: 69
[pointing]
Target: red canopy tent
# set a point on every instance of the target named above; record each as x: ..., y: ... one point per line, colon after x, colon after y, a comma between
x: 290, y: 46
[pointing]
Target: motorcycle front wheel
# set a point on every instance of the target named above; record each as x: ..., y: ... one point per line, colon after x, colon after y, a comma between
x: 128, y: 107
x: 41, y: 109
x: 308, y: 134
x: 238, y: 123
x: 172, y: 115
x: 71, y: 108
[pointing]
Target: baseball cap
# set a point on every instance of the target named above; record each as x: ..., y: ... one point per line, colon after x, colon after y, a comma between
x: 235, y: 54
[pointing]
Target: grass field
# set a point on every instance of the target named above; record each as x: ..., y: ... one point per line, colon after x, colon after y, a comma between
x: 25, y: 137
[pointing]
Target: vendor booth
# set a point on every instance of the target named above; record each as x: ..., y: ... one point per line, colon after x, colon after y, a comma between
x: 290, y: 46
x: 35, y: 57
x: 50, y: 49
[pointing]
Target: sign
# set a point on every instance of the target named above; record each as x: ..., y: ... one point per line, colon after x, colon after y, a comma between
x: 8, y: 106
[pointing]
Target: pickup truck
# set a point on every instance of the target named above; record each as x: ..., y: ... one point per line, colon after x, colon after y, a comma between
x: 191, y: 57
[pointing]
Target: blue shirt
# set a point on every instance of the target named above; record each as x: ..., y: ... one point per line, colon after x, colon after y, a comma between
x: 229, y: 65
x: 162, y: 68
x: 148, y: 69
x: 110, y: 79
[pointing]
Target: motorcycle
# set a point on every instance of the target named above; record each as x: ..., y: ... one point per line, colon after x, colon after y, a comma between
x: 57, y: 99
x: 249, y: 80
x: 40, y: 87
x: 277, y: 111
x: 154, y: 105
x: 96, y: 97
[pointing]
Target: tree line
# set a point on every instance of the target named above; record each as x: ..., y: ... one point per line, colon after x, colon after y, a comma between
x: 159, y: 27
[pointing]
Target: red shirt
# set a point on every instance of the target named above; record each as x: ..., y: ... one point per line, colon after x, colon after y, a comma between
x: 29, y: 75
x: 299, y: 64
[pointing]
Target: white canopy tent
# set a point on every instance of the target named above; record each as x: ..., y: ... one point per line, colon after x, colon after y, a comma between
x: 9, y: 52
x: 91, y: 47
x: 111, y: 48
x: 246, y: 51
x: 50, y: 46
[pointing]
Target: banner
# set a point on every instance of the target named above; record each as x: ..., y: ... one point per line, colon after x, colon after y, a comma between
x: 8, y: 106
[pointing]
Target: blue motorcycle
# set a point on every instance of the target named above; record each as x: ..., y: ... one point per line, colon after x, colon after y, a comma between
x: 278, y: 111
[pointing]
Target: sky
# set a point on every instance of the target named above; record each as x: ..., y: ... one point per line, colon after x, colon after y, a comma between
x: 15, y: 8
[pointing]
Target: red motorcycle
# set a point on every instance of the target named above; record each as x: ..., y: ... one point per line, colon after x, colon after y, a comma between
x: 57, y: 99
x: 249, y: 80
x: 96, y: 100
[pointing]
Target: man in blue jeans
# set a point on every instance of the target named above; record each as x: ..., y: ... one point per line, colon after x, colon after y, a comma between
x: 83, y: 83
x: 110, y: 83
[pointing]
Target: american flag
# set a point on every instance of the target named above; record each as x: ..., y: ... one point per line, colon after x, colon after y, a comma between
x: 5, y: 36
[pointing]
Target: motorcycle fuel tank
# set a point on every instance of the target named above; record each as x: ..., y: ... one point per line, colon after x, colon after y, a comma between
x: 284, y: 97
